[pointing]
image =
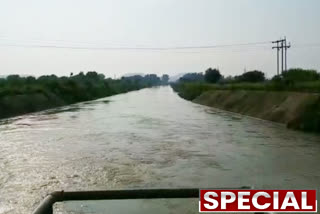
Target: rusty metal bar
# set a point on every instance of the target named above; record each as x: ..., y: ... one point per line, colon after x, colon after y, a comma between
x: 46, y: 206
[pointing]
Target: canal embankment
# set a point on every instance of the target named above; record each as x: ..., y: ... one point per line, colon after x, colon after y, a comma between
x: 298, y: 110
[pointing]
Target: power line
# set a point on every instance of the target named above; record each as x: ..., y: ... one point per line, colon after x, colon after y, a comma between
x: 306, y: 45
x: 134, y: 47
x: 114, y: 47
x: 34, y: 40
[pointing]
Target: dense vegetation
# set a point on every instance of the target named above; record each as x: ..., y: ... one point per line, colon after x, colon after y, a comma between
x: 20, y: 95
x: 212, y: 75
x: 296, y: 80
x: 192, y: 77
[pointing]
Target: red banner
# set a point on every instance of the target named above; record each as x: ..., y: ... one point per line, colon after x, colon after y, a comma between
x: 258, y: 201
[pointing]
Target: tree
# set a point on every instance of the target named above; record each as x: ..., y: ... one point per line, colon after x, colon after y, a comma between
x: 15, y: 79
x: 92, y: 75
x: 101, y: 76
x: 300, y: 75
x: 165, y: 79
x: 251, y: 76
x: 212, y: 75
x: 152, y: 79
x: 30, y: 80
x: 63, y: 90
x: 192, y: 77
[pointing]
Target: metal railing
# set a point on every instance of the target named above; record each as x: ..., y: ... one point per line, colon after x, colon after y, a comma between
x: 46, y: 206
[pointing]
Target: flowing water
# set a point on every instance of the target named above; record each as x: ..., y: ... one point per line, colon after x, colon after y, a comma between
x: 148, y: 138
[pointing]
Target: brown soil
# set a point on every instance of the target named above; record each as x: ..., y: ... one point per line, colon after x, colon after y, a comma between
x: 282, y: 107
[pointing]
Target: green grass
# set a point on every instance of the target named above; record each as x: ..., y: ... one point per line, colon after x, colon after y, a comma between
x: 190, y: 91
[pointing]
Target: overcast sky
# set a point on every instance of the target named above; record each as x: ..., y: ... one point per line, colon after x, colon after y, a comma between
x: 25, y: 25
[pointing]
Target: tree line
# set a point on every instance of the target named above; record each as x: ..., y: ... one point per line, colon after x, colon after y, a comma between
x: 20, y: 95
x: 289, y: 77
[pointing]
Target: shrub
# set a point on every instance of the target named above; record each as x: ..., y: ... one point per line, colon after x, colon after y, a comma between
x: 192, y: 77
x: 300, y: 75
x: 251, y: 76
x: 212, y: 75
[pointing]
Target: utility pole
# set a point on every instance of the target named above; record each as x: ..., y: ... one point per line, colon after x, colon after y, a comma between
x: 281, y: 45
x: 278, y: 49
x: 285, y: 52
x: 282, y: 64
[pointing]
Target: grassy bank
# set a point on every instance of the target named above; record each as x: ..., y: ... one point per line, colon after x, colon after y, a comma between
x: 190, y: 91
x: 20, y: 95
x: 296, y: 105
